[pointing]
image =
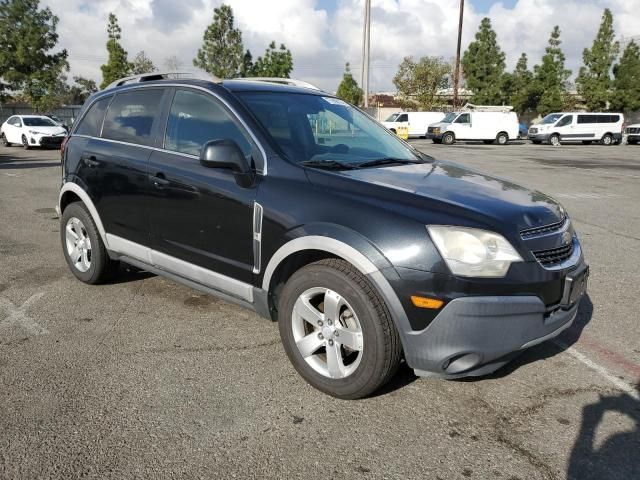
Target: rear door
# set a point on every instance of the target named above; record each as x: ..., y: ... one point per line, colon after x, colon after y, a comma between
x: 114, y: 165
x: 200, y: 217
x: 13, y: 130
x: 585, y: 127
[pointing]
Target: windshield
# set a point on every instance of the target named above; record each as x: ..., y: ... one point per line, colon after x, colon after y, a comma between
x: 551, y: 118
x: 38, y: 122
x: 316, y: 129
x: 449, y: 117
x: 392, y: 117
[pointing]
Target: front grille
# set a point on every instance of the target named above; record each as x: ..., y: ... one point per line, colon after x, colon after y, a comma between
x: 553, y: 256
x: 552, y: 227
x: 533, y: 130
x: 633, y: 130
x: 52, y: 140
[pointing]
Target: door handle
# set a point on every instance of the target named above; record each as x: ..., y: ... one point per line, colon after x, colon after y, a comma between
x: 90, y: 161
x: 159, y: 181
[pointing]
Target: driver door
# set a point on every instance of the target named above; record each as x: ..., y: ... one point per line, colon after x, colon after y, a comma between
x: 462, y: 127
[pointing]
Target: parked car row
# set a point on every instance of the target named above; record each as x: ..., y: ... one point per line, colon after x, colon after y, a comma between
x: 500, y: 124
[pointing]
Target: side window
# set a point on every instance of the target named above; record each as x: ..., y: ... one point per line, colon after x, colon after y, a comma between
x: 131, y: 115
x: 464, y: 118
x: 91, y: 123
x: 564, y: 121
x: 15, y: 121
x: 402, y: 118
x: 583, y: 119
x: 197, y: 118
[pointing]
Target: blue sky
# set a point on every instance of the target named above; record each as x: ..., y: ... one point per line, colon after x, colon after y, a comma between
x: 325, y: 34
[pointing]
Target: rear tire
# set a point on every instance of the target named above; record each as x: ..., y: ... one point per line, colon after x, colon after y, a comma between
x: 502, y: 138
x: 607, y: 139
x: 82, y: 246
x: 5, y: 142
x: 331, y: 296
x: 448, y: 138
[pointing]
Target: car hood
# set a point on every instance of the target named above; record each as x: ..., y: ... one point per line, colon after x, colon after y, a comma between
x: 47, y: 130
x: 445, y: 187
x: 439, y: 125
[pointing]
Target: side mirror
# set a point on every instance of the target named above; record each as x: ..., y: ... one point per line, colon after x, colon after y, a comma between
x: 224, y: 154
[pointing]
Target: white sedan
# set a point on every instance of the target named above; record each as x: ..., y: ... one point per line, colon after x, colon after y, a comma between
x: 31, y: 131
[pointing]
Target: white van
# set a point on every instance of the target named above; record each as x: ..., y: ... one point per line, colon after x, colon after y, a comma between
x: 578, y: 127
x: 416, y: 122
x: 489, y: 124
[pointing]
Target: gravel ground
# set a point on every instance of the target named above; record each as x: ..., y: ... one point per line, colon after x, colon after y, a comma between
x: 144, y: 378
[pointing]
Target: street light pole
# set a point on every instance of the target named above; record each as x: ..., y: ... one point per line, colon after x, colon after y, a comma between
x: 366, y: 44
x: 456, y: 74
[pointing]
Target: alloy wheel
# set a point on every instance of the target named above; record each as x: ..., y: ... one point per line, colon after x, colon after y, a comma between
x: 78, y: 244
x: 327, y: 332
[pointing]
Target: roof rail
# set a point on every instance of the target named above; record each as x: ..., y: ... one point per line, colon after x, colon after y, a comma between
x: 283, y: 81
x: 148, y: 77
x: 470, y: 107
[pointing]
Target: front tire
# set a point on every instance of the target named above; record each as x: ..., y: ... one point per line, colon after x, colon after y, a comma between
x: 83, y: 248
x: 448, y: 138
x: 554, y: 140
x: 337, y: 331
x: 25, y: 143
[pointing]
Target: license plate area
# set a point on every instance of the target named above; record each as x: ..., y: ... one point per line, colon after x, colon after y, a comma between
x: 575, y: 285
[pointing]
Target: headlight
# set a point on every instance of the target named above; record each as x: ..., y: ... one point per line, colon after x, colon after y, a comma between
x: 470, y: 252
x: 33, y: 132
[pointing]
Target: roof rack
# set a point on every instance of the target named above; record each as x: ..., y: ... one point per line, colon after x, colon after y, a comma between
x: 283, y: 81
x: 148, y: 77
x: 470, y: 107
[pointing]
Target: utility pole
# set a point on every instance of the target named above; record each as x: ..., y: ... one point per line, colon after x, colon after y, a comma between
x: 366, y: 44
x: 456, y: 74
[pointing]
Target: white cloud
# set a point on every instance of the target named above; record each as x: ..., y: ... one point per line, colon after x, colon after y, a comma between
x: 322, y: 41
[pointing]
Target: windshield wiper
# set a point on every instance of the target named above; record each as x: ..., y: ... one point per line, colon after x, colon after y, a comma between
x: 328, y: 164
x: 387, y: 161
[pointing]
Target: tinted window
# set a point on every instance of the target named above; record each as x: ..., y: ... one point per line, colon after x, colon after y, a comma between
x: 608, y: 118
x: 464, y: 118
x: 586, y: 118
x: 91, y: 123
x: 131, y: 115
x: 38, y: 122
x: 402, y: 118
x: 566, y: 120
x: 195, y: 119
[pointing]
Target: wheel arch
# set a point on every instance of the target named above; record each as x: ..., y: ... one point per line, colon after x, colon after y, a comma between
x: 72, y: 192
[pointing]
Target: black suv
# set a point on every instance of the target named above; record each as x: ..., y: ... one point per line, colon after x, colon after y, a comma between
x: 291, y: 202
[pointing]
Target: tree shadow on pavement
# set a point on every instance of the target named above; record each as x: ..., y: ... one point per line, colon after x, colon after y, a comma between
x: 617, y: 456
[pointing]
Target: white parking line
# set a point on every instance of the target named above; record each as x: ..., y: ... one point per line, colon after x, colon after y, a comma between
x: 581, y: 357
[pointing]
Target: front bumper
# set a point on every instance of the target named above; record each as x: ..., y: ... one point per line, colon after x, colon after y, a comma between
x: 45, y: 141
x: 538, y: 137
x: 433, y: 136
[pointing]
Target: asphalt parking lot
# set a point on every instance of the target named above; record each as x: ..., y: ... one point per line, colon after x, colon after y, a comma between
x: 143, y: 378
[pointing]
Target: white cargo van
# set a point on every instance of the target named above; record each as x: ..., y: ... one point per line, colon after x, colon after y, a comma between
x: 578, y: 127
x: 416, y: 122
x: 487, y: 123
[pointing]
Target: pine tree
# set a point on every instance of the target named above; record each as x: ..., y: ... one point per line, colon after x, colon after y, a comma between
x: 221, y: 53
x: 483, y: 64
x: 549, y: 89
x: 274, y: 63
x: 594, y: 78
x: 626, y: 83
x: 246, y: 70
x: 27, y: 65
x: 517, y: 86
x: 117, y: 65
x: 348, y: 90
x: 142, y: 64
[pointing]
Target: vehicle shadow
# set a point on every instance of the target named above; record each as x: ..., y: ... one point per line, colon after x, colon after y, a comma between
x: 26, y: 164
x: 547, y: 349
x: 617, y: 456
x: 127, y: 274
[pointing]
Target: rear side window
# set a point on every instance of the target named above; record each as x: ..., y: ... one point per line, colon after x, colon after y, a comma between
x: 131, y: 115
x: 582, y: 119
x: 608, y: 118
x: 91, y: 123
x: 195, y: 119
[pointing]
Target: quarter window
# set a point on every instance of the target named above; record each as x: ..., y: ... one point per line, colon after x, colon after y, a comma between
x: 91, y: 123
x: 131, y: 115
x: 196, y: 119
